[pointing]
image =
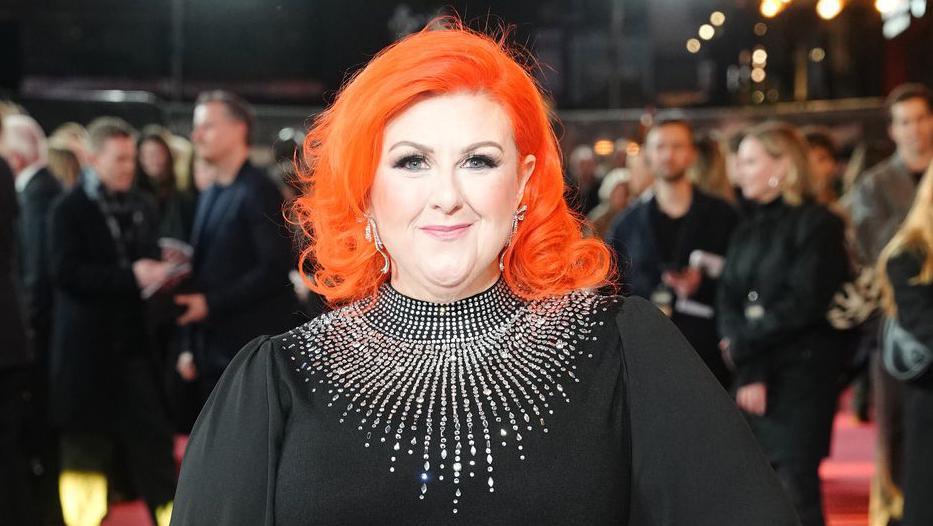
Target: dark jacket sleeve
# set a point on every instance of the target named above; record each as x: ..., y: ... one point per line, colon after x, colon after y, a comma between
x: 34, y: 227
x: 70, y: 270
x: 914, y: 300
x: 818, y: 267
x: 694, y: 459
x: 229, y: 471
x: 272, y: 249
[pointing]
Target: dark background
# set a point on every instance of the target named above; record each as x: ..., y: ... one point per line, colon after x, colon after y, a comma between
x: 594, y: 53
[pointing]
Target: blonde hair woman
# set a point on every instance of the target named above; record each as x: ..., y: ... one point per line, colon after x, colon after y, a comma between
x: 785, y: 262
x: 906, y: 270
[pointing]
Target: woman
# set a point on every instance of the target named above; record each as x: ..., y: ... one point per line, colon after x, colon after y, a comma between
x: 471, y: 376
x: 906, y: 267
x: 785, y: 262
x: 614, y: 196
x: 155, y: 173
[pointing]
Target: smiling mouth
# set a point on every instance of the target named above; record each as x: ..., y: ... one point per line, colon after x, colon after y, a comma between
x: 446, y: 232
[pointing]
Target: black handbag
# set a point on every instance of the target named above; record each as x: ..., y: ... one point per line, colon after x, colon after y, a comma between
x: 903, y: 356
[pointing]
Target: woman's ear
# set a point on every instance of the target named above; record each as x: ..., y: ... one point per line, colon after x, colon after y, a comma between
x: 524, y: 174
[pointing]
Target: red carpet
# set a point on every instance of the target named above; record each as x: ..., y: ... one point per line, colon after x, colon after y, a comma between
x: 845, y: 476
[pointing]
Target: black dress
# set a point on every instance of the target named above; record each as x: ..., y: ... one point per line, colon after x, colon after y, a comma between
x: 580, y: 409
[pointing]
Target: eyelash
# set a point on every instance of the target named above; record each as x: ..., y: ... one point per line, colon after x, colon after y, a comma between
x: 485, y: 160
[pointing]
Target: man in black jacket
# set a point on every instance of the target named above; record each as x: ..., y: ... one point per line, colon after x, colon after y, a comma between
x: 242, y: 252
x: 103, y: 252
x: 25, y: 149
x: 670, y: 244
x: 14, y: 363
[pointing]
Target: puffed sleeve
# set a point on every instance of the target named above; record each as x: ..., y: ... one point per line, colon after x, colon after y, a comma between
x: 694, y: 459
x: 228, y: 473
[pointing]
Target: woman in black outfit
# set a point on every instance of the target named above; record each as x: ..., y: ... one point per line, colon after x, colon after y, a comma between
x: 785, y: 262
x: 471, y: 375
x: 907, y: 269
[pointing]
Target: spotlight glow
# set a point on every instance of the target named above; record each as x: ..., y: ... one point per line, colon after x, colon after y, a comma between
x: 828, y: 9
x: 693, y: 45
x: 706, y: 32
x: 717, y: 18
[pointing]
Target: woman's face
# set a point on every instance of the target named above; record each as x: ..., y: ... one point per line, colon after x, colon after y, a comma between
x: 154, y: 159
x: 758, y: 171
x: 447, y: 184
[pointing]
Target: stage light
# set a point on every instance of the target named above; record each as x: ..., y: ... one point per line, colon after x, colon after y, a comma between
x: 693, y: 45
x: 761, y: 29
x: 758, y: 97
x: 758, y: 75
x: 717, y: 18
x: 706, y: 32
x: 886, y: 6
x: 828, y: 9
x: 817, y: 54
x: 770, y: 8
x: 603, y: 147
x: 760, y: 57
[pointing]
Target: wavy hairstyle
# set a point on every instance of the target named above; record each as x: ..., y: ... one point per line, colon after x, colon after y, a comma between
x: 915, y: 235
x: 547, y: 257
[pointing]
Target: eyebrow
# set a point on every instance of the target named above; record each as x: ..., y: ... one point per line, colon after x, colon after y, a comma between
x: 428, y: 149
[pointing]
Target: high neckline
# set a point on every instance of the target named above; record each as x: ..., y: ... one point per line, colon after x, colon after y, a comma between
x: 408, y: 318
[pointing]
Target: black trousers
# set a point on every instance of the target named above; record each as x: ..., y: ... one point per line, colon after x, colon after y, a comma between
x: 14, y: 473
x: 801, y: 481
x: 918, y: 456
x: 139, y: 441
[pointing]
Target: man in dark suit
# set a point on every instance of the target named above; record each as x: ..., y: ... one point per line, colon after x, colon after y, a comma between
x: 25, y: 149
x: 104, y: 397
x: 242, y: 252
x: 671, y: 243
x: 14, y: 364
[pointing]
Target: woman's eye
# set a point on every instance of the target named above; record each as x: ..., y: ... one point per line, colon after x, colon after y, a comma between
x: 411, y: 162
x: 480, y: 161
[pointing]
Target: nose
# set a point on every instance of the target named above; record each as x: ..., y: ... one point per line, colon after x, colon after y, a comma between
x: 446, y: 194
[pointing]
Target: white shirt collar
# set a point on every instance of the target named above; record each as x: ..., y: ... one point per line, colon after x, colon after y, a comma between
x: 24, y: 177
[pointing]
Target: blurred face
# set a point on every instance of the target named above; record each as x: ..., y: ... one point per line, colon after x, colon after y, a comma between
x: 154, y: 159
x: 216, y: 134
x: 758, y: 171
x: 670, y: 151
x: 912, y: 126
x: 447, y: 184
x: 822, y: 167
x: 115, y: 163
x: 204, y: 174
x: 618, y: 198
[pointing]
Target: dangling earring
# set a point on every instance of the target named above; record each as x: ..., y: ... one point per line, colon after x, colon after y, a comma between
x: 372, y: 234
x: 773, y: 181
x: 517, y: 217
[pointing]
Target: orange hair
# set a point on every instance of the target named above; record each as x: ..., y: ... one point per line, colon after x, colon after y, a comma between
x: 548, y: 255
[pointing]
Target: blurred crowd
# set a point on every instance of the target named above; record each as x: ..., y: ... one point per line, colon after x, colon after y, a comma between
x: 135, y: 263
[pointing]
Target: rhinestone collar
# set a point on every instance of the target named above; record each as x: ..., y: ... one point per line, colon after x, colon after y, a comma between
x: 405, y: 318
x: 447, y: 387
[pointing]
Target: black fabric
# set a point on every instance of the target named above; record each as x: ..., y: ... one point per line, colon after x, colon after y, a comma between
x: 801, y: 481
x: 33, y: 254
x: 640, y: 253
x: 649, y: 438
x: 669, y: 234
x: 14, y: 468
x: 783, y: 266
x: 14, y: 351
x: 915, y: 310
x: 99, y: 316
x: 242, y: 257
